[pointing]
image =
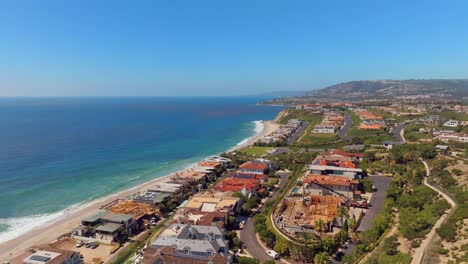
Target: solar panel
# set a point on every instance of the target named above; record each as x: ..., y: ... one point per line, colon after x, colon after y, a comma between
x: 39, y: 258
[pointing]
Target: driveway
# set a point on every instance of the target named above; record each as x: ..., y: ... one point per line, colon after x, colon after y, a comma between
x: 248, y: 235
x: 381, y: 183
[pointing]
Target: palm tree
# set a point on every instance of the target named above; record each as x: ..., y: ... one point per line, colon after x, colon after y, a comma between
x: 342, y: 212
x: 320, y: 227
x: 322, y: 258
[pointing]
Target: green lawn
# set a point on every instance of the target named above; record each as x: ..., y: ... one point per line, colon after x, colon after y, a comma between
x: 388, y: 115
x: 453, y: 115
x: 299, y: 114
x: 412, y: 133
x: 315, y: 138
x: 254, y: 150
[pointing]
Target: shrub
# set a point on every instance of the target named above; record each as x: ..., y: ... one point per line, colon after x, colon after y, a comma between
x: 447, y: 231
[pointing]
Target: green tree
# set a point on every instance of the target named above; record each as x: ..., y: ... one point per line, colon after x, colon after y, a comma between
x: 322, y: 258
x: 320, y: 227
x: 447, y: 231
x: 247, y: 260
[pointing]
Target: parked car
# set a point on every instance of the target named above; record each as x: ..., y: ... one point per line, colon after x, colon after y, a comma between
x: 79, y: 244
x: 272, y: 254
x: 88, y: 244
x: 94, y: 245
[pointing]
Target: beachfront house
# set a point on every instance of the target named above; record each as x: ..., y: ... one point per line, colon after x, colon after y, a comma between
x: 47, y: 255
x: 107, y: 227
x: 193, y: 240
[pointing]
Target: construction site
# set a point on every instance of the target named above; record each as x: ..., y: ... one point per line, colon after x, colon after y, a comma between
x: 298, y: 215
x: 139, y: 210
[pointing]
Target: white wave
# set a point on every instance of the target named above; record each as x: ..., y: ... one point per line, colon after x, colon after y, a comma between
x: 243, y: 141
x: 259, y: 126
x: 20, y: 225
x: 17, y: 226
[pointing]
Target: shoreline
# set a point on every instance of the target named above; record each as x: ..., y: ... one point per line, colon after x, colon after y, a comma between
x: 72, y: 215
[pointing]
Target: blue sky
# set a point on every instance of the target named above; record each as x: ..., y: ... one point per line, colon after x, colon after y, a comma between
x: 118, y: 48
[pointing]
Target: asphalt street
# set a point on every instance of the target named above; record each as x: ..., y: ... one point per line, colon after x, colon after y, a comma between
x: 348, y: 122
x: 248, y: 235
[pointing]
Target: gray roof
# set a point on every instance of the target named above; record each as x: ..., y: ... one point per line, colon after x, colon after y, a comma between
x: 95, y: 217
x: 189, y: 244
x: 443, y: 147
x: 109, y: 227
x: 118, y: 217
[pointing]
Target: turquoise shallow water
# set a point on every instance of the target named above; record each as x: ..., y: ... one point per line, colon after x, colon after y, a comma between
x: 61, y: 152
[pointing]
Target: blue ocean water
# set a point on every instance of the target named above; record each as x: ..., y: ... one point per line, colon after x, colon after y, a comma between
x: 61, y: 152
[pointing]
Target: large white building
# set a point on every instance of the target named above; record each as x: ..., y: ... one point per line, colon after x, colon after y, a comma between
x: 452, y: 123
x: 324, y: 129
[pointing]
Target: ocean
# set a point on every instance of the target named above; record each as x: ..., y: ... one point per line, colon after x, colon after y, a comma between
x: 58, y: 153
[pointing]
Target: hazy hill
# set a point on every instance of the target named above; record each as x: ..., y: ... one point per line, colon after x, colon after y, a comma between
x: 380, y: 89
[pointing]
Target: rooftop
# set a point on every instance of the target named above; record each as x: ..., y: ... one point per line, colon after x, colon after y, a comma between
x: 197, y: 202
x: 237, y: 184
x: 109, y: 227
x: 254, y: 166
x: 330, y: 180
x: 166, y: 187
x: 124, y: 208
x: 44, y: 254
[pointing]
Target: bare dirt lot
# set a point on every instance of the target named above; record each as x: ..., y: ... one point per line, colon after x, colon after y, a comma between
x: 102, y: 252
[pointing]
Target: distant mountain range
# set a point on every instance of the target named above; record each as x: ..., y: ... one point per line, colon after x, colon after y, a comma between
x: 421, y: 90
x: 396, y: 88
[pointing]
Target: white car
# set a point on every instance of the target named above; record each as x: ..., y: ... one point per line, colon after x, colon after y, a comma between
x: 79, y: 244
x: 272, y: 254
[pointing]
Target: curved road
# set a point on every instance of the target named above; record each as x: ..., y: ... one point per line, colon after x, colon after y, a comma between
x: 398, y: 131
x: 419, y: 252
x: 248, y: 235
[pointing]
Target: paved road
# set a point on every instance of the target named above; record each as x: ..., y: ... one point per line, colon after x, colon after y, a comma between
x: 396, y: 131
x: 419, y: 252
x: 298, y: 133
x: 248, y: 235
x: 348, y: 122
x: 381, y: 183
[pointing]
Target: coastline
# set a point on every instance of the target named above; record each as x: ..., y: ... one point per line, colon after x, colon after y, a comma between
x: 70, y: 218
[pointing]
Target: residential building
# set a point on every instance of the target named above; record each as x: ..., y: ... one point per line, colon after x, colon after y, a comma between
x: 170, y: 255
x: 324, y: 129
x: 186, y: 240
x: 452, y: 123
x: 330, y: 185
x: 350, y: 173
x: 253, y: 167
x: 47, y: 255
x: 208, y: 203
x: 107, y: 227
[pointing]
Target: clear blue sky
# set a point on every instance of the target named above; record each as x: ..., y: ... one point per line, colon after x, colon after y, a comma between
x: 196, y: 47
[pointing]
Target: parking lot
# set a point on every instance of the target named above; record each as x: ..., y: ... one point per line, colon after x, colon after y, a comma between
x: 102, y: 252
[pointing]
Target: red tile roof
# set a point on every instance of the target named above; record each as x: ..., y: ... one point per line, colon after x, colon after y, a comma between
x: 236, y: 184
x: 254, y: 166
x: 330, y: 180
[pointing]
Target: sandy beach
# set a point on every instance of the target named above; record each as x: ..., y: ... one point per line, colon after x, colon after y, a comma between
x: 71, y: 219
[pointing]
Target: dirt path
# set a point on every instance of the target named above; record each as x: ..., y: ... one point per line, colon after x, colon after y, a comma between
x: 419, y: 252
